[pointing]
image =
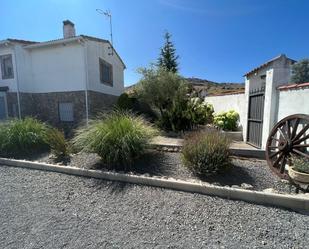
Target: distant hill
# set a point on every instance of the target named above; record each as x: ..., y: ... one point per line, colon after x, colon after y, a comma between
x: 216, y: 88
x: 207, y: 87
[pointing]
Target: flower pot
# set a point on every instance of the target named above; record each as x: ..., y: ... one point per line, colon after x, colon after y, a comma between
x: 298, y: 176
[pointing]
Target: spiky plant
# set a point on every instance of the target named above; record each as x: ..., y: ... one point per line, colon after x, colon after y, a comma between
x: 22, y: 137
x: 206, y: 153
x: 118, y: 138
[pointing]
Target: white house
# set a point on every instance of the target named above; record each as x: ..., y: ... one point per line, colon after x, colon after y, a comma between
x: 62, y: 81
x: 268, y: 98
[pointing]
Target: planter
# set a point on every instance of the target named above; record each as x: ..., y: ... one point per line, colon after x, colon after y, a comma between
x: 298, y: 176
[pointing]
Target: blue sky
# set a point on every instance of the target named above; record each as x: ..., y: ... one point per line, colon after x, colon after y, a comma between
x: 217, y: 40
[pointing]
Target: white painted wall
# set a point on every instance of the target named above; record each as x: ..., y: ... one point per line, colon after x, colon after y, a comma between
x: 294, y: 101
x: 230, y: 102
x: 57, y: 68
x: 96, y: 50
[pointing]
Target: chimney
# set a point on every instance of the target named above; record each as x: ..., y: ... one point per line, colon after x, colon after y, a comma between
x: 68, y: 29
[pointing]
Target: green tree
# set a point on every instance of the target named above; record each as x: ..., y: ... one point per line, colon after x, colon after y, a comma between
x: 168, y: 58
x: 300, y: 71
x: 159, y: 87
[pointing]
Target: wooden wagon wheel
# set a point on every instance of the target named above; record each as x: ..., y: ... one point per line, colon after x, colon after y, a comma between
x: 290, y: 136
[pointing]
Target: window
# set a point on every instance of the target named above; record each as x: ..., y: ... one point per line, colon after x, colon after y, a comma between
x: 66, y: 113
x: 106, y: 72
x: 6, y: 66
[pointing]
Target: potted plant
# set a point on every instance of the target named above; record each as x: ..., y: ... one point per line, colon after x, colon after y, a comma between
x: 299, y: 170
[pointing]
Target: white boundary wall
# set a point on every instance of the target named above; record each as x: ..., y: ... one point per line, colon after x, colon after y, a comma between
x: 293, y: 101
x: 235, y: 102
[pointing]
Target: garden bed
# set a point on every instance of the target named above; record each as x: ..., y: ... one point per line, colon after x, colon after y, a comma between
x: 245, y: 173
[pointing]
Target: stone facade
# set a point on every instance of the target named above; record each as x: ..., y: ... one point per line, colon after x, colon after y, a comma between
x: 45, y: 106
x: 100, y: 103
x: 12, y: 104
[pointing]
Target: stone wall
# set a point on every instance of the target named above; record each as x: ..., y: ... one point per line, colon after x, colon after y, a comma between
x: 45, y: 106
x: 100, y: 103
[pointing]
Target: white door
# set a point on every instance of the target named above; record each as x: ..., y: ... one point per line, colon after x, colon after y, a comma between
x: 3, y: 110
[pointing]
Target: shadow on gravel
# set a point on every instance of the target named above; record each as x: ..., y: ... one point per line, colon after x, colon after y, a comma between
x: 234, y: 176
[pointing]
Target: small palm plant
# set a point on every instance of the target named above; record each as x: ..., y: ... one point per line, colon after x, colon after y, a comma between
x: 118, y: 138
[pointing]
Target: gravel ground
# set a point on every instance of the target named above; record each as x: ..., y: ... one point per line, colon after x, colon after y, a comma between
x: 49, y: 210
x: 249, y: 171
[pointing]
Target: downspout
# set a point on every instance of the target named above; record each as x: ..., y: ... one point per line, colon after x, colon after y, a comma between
x: 86, y: 82
x: 17, y: 84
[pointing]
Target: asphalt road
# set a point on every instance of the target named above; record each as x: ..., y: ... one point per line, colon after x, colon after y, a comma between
x: 50, y: 210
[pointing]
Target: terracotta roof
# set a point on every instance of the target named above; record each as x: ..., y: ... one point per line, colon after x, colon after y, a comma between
x: 293, y: 86
x: 267, y: 63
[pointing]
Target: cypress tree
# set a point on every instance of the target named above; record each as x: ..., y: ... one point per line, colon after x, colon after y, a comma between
x: 168, y: 57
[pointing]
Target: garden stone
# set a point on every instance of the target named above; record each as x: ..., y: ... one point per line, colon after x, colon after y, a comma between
x: 269, y: 190
x: 246, y: 186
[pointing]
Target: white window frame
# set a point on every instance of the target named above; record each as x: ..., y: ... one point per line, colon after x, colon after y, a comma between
x: 2, y: 57
x: 110, y: 66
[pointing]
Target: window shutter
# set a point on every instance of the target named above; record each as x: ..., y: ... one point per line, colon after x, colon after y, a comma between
x: 66, y: 112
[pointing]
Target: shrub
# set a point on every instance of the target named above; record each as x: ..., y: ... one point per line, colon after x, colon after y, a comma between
x: 300, y: 71
x: 206, y: 153
x: 125, y: 102
x: 301, y: 164
x: 118, y: 139
x: 200, y: 111
x: 227, y: 120
x: 58, y: 144
x: 131, y: 103
x: 22, y: 137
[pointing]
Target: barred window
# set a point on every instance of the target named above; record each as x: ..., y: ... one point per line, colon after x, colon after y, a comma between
x: 7, y: 66
x: 106, y: 72
x: 66, y: 112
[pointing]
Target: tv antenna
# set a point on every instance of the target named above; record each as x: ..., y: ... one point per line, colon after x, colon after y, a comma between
x: 108, y: 14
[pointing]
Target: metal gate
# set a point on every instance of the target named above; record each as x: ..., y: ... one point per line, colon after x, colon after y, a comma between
x: 255, y: 117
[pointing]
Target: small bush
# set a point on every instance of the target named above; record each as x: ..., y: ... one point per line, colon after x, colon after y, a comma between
x: 206, y: 153
x: 125, y: 102
x: 22, y: 137
x: 118, y: 139
x: 58, y: 144
x: 301, y: 164
x: 227, y: 120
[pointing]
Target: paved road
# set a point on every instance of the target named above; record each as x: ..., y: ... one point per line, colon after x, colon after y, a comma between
x: 50, y: 210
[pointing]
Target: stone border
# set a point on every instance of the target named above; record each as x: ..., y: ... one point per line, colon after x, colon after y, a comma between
x: 297, y: 203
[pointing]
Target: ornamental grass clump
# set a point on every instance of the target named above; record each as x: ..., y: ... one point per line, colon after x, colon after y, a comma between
x: 206, y: 153
x: 118, y: 138
x: 22, y: 137
x: 60, y: 148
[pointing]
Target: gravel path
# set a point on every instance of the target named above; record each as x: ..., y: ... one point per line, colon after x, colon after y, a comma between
x: 244, y: 171
x: 49, y: 210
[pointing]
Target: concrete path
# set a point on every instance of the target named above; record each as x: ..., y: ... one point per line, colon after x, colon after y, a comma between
x: 238, y: 148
